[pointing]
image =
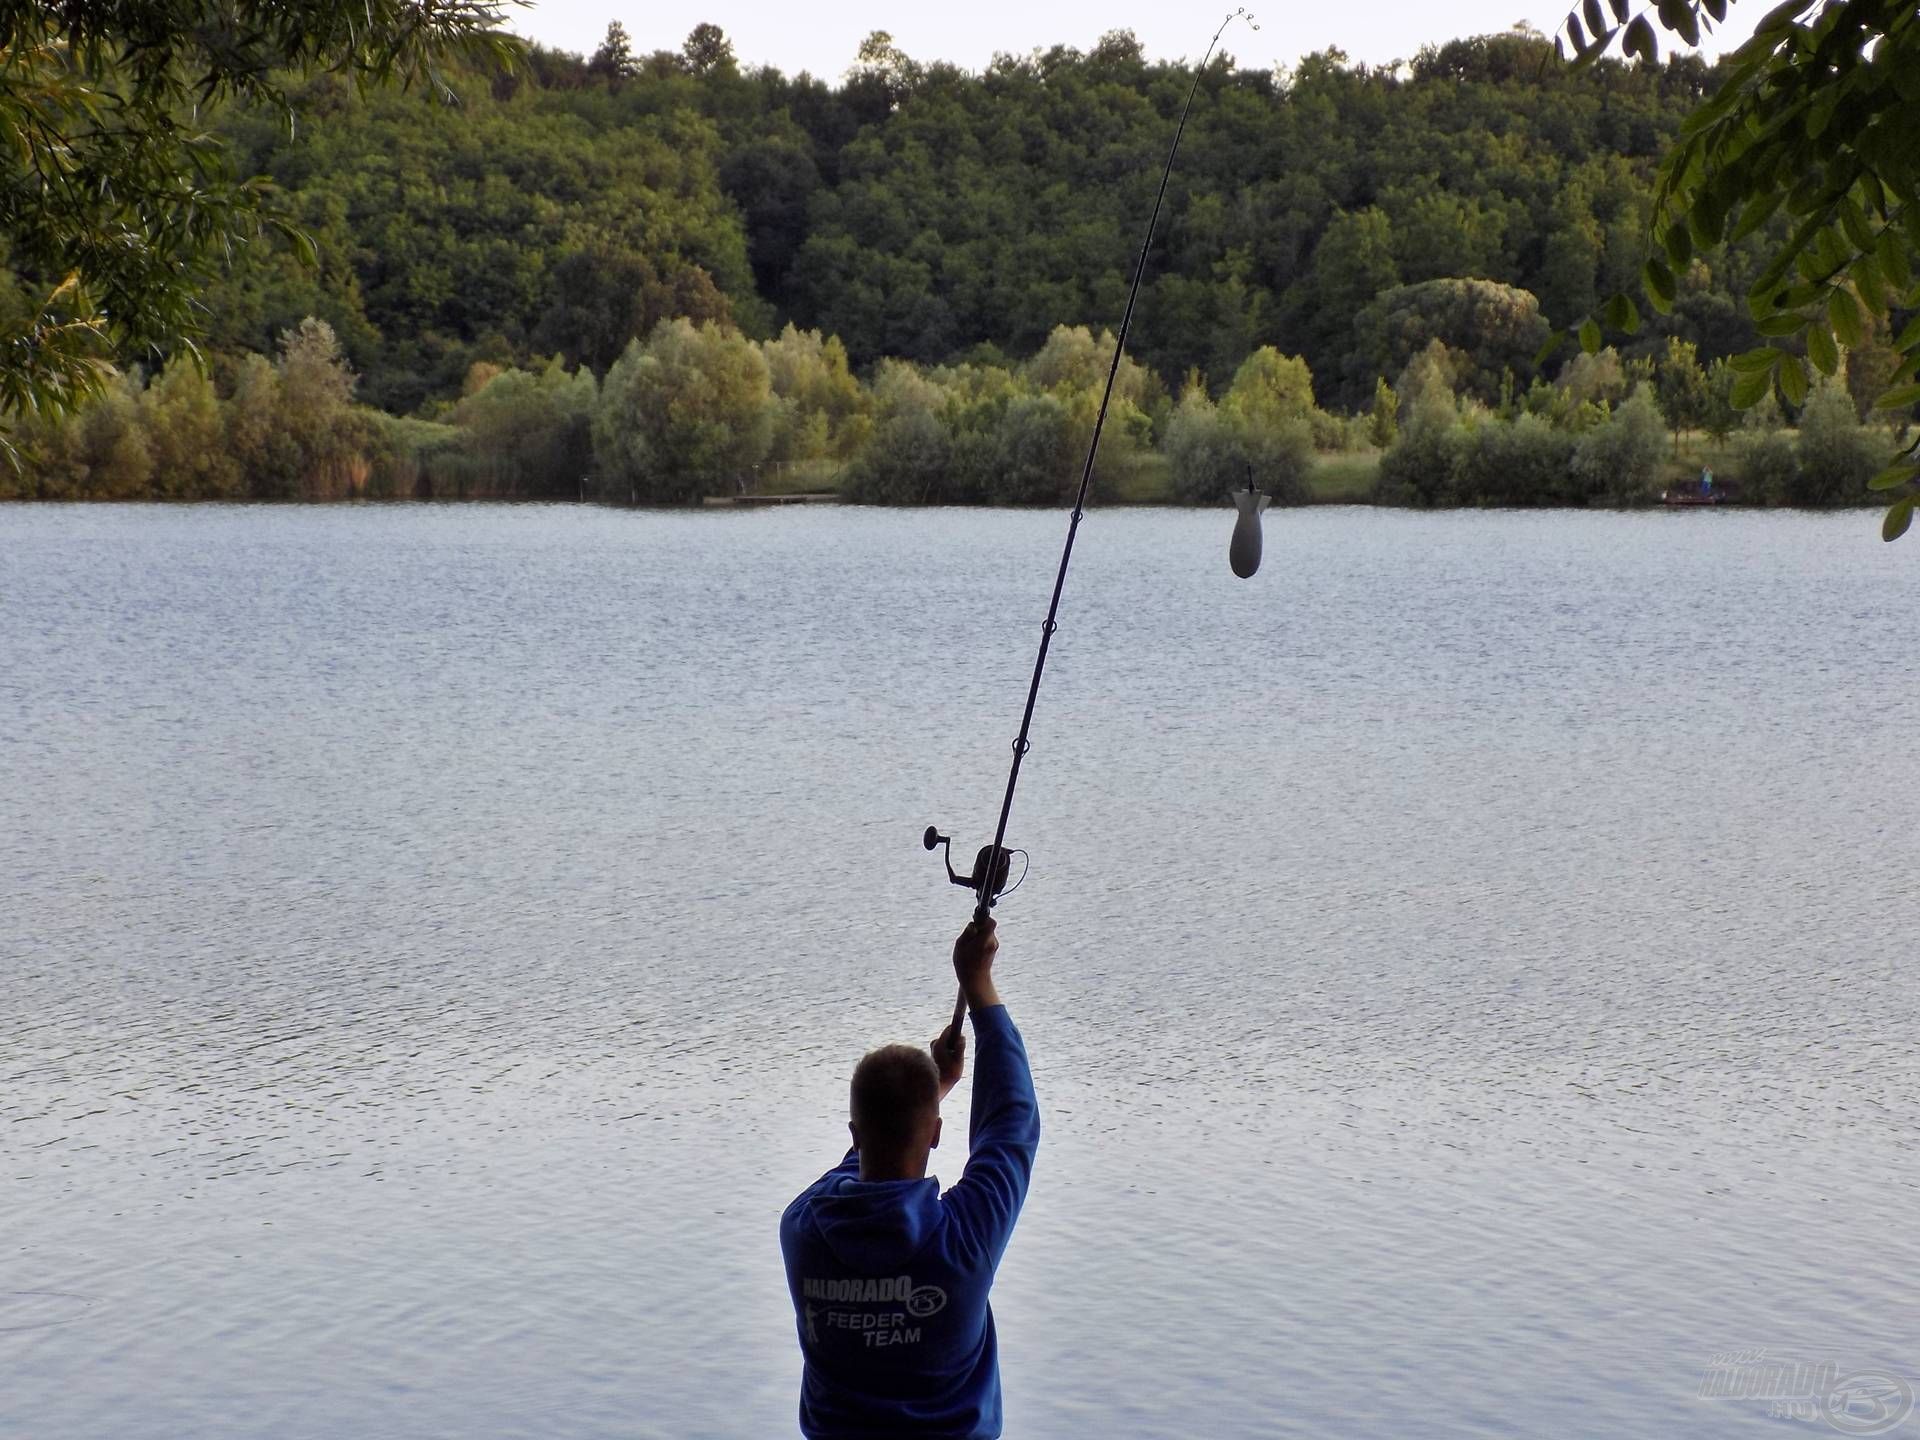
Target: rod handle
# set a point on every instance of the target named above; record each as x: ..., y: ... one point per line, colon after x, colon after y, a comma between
x: 959, y: 1016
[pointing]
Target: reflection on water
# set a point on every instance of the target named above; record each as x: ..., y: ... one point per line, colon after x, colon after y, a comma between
x: 1466, y: 967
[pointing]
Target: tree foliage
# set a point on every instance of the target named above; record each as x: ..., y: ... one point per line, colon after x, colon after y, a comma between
x: 1812, y: 123
x: 683, y: 414
x: 118, y: 202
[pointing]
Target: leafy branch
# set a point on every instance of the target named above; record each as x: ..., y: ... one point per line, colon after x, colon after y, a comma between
x: 114, y: 196
x: 1815, y: 123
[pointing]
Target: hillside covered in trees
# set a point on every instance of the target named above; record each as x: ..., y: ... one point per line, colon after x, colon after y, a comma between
x: 908, y: 272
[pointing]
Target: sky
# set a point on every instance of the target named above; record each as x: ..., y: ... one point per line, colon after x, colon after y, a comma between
x: 821, y: 36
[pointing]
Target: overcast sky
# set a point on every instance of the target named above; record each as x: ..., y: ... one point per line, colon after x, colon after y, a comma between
x: 821, y: 37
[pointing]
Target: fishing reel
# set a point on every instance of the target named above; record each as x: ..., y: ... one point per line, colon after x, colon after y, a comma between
x: 988, y: 878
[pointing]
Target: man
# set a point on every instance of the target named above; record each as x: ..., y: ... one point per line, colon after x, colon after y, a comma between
x: 889, y: 1277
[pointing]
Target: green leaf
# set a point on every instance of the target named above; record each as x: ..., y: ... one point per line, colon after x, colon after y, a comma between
x: 1899, y: 399
x: 1821, y: 349
x: 1854, y: 221
x: 1596, y: 17
x: 1899, y: 517
x: 1590, y: 335
x: 1679, y: 246
x: 1751, y: 361
x: 1894, y: 262
x: 1751, y: 388
x: 1843, y: 313
x: 1623, y: 315
x: 1792, y: 373
x: 1658, y: 280
x: 1779, y: 19
x: 1785, y: 323
x: 1894, y: 476
x: 1641, y: 42
x: 1909, y: 337
x: 1868, y: 285
x: 1756, y: 213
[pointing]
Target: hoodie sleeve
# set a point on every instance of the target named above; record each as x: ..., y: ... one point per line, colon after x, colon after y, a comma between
x: 1004, y: 1135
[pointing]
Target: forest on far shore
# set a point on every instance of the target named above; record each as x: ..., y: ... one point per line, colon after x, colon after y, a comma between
x: 656, y: 278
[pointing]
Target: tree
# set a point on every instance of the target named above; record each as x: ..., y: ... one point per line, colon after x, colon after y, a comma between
x: 1814, y: 119
x: 1496, y: 327
x: 815, y: 396
x: 1383, y: 420
x: 117, y: 202
x: 182, y: 415
x: 602, y: 299
x: 1352, y: 266
x: 1718, y: 417
x: 614, y: 61
x: 291, y: 425
x: 1075, y: 360
x: 707, y: 48
x: 1680, y: 385
x: 682, y: 413
x: 1270, y: 389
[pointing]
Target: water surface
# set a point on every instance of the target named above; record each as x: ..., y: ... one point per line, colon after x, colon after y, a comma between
x: 1468, y: 967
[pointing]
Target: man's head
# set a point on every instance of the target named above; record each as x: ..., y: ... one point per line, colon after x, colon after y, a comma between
x: 895, y: 1105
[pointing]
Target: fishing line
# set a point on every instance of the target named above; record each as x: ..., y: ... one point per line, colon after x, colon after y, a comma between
x: 988, y: 878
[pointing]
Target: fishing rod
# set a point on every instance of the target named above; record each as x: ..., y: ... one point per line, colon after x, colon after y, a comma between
x: 991, y: 863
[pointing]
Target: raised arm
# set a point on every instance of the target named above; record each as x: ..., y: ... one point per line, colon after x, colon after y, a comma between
x: 1005, y: 1130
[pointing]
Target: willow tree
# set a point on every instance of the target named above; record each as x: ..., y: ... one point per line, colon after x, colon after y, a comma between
x: 118, y: 202
x: 1815, y: 121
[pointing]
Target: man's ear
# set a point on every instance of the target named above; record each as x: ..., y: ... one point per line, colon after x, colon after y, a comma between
x: 934, y: 1144
x: 854, y: 1133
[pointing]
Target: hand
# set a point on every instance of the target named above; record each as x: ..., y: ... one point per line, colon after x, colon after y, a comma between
x: 973, y: 956
x: 950, y: 1055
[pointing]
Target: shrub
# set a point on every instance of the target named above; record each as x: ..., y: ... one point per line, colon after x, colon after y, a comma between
x: 1618, y: 461
x: 1423, y: 467
x: 1204, y: 450
x: 1769, y: 470
x: 1329, y: 433
x: 908, y: 462
x: 682, y: 415
x: 182, y: 416
x: 1524, y: 461
x: 528, y: 435
x: 1280, y: 456
x: 1420, y: 467
x: 1035, y: 459
x: 1837, y: 455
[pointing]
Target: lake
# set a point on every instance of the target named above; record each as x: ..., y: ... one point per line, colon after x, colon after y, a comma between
x: 1468, y: 967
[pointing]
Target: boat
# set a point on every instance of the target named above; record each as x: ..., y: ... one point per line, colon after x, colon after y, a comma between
x: 1701, y: 492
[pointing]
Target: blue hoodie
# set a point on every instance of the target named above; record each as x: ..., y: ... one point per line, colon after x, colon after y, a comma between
x: 889, y: 1277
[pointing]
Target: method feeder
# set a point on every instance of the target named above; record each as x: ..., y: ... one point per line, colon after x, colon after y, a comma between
x: 991, y: 863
